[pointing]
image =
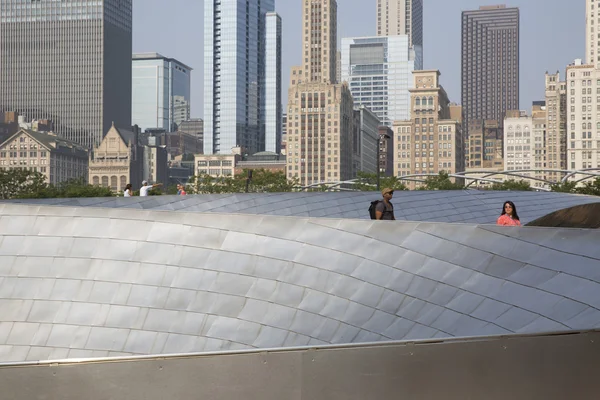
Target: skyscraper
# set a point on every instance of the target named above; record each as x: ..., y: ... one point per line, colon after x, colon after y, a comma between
x: 430, y: 141
x: 161, y: 91
x: 379, y: 72
x: 555, y: 143
x: 401, y: 17
x: 320, y: 111
x: 234, y: 74
x: 69, y: 62
x: 490, y: 63
x: 272, y: 95
x: 592, y: 32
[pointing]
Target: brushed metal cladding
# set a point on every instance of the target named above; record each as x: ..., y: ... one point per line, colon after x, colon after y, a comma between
x: 470, y: 206
x: 92, y: 282
x: 507, y: 367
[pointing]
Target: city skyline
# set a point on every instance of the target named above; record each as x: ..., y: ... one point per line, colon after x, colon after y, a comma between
x: 441, y: 31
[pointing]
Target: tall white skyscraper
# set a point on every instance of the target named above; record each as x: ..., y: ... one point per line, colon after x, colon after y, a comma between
x: 401, y: 17
x: 273, y: 108
x: 234, y: 74
x: 67, y: 61
x: 379, y: 70
x: 161, y: 91
x: 592, y: 32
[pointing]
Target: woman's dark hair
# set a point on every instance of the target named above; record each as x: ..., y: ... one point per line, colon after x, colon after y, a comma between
x: 128, y: 186
x: 514, y: 213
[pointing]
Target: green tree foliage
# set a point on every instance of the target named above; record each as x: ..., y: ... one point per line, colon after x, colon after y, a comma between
x: 171, y: 189
x: 564, y: 187
x: 76, y: 188
x: 263, y: 181
x: 25, y: 184
x: 367, y: 182
x: 591, y: 188
x: 441, y: 182
x: 21, y: 183
x: 513, y: 185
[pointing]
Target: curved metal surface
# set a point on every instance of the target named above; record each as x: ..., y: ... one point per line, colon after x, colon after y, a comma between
x: 585, y: 216
x: 469, y: 206
x: 89, y: 282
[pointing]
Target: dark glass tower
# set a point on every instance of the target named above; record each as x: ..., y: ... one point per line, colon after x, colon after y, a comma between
x: 490, y: 63
x: 68, y: 61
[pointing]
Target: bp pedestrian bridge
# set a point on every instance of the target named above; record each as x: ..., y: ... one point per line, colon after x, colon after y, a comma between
x: 214, y: 278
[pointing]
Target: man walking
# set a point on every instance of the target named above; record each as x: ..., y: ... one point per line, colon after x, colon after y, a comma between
x: 385, y: 209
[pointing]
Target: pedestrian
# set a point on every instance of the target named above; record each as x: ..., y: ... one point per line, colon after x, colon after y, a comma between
x: 146, y: 188
x: 385, y: 209
x: 182, y: 191
x: 128, y: 192
x: 509, y: 216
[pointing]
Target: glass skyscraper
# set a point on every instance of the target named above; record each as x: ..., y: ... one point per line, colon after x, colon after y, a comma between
x: 161, y: 92
x: 379, y: 70
x: 68, y: 61
x: 273, y: 110
x: 234, y: 74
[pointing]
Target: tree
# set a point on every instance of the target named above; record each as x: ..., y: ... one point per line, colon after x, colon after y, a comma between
x: 590, y: 188
x: 21, y: 183
x: 76, y: 188
x: 367, y: 182
x: 564, y: 187
x: 263, y: 181
x: 441, y: 182
x: 513, y: 185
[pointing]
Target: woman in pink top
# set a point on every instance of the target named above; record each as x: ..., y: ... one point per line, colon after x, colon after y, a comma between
x: 509, y: 215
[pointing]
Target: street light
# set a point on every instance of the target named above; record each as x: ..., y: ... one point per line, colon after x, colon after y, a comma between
x: 379, y: 139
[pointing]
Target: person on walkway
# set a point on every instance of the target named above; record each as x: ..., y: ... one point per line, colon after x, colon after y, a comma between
x: 509, y: 216
x: 181, y: 190
x: 146, y: 188
x: 128, y: 192
x: 385, y: 209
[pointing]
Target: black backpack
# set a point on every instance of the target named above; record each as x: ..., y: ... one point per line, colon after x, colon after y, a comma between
x: 373, y: 207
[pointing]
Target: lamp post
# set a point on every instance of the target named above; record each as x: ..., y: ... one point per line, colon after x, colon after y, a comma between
x: 379, y: 139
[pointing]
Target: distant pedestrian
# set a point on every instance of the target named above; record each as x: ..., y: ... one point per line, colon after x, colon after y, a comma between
x: 181, y: 190
x: 128, y: 190
x: 509, y: 216
x: 384, y: 210
x: 146, y: 188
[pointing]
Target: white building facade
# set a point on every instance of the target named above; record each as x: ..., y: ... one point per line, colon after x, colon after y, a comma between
x: 583, y: 126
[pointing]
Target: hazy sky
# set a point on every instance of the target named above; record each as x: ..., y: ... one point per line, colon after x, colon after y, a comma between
x: 552, y: 36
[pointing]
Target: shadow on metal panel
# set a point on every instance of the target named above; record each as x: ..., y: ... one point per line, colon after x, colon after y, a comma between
x: 550, y: 366
x: 585, y: 216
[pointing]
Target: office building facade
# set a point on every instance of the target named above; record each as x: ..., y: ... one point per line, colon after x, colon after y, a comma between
x: 431, y: 141
x: 556, y: 126
x: 160, y: 92
x: 490, y: 63
x: 320, y: 111
x: 401, y: 17
x: 592, y: 32
x: 365, y: 140
x: 234, y: 74
x: 379, y: 73
x: 272, y: 96
x: 57, y: 159
x: 583, y: 127
x: 69, y: 62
